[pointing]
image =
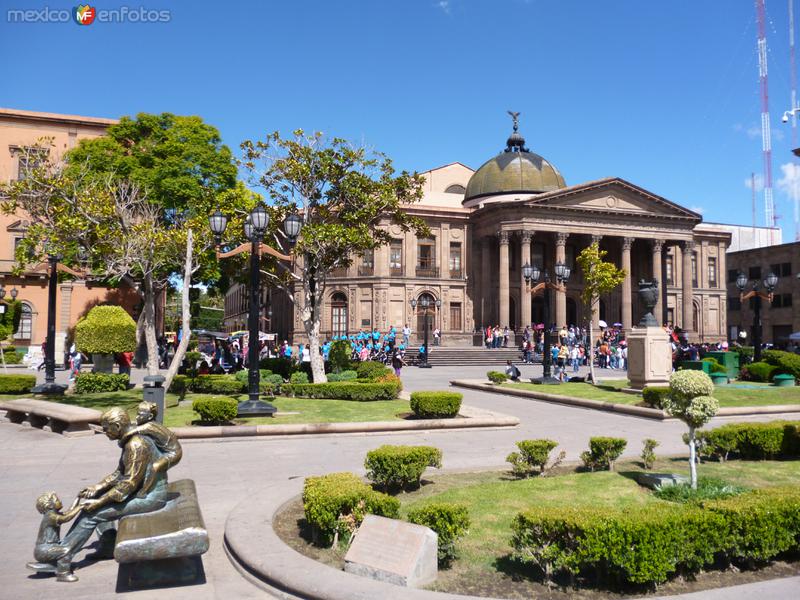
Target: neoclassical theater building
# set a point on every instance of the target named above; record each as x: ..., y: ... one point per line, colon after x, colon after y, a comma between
x: 517, y: 208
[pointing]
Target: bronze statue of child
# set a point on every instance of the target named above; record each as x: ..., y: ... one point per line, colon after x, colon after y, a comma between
x: 165, y: 440
x: 50, y: 555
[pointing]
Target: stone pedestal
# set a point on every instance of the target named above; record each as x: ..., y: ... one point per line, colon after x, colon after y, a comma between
x: 649, y: 357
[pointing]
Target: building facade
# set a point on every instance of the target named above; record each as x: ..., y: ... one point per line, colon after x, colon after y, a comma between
x: 515, y: 209
x: 20, y: 129
x: 781, y: 317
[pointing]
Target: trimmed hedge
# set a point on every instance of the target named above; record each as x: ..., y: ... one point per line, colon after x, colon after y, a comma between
x: 348, y: 375
x: 214, y: 409
x: 11, y: 356
x: 757, y: 441
x: 758, y: 371
x: 282, y: 366
x: 787, y: 362
x: 94, y: 383
x: 716, y: 367
x: 218, y: 384
x: 436, y: 405
x: 647, y: 545
x: 16, y: 384
x: 654, y: 396
x: 449, y: 520
x: 531, y: 458
x: 106, y: 330
x: 345, y: 390
x: 370, y: 369
x: 497, y: 377
x: 298, y: 377
x: 179, y: 385
x: 603, y: 451
x: 337, y: 503
x: 400, y: 467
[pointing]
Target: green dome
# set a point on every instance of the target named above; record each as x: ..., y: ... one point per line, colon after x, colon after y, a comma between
x: 515, y: 170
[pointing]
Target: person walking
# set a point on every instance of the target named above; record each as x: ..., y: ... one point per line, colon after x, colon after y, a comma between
x: 406, y: 335
x: 506, y: 334
x: 563, y: 354
x: 397, y: 363
x: 437, y: 334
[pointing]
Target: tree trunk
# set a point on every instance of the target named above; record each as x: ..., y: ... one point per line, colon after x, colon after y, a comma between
x: 590, y: 346
x: 150, y: 325
x: 317, y: 361
x: 186, y: 317
x: 692, y: 456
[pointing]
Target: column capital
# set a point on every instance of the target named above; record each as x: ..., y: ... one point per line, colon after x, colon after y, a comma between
x: 627, y: 242
x: 561, y: 239
x: 658, y: 246
x: 688, y: 246
x: 525, y: 236
x: 502, y: 237
x: 596, y: 238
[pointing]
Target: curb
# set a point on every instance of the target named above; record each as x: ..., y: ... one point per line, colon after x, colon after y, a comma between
x: 637, y: 411
x: 482, y: 419
x: 626, y: 409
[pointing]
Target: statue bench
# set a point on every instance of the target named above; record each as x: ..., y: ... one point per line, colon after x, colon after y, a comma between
x: 67, y: 420
x: 163, y: 547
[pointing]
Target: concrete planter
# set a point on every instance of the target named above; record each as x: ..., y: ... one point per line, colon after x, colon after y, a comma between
x: 719, y: 378
x: 783, y: 380
x: 103, y: 363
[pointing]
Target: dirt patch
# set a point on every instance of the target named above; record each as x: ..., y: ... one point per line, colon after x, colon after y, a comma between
x: 507, y: 580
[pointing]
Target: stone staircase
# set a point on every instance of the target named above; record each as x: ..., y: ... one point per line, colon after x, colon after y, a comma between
x: 455, y: 356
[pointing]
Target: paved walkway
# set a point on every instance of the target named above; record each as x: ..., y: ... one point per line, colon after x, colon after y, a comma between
x: 228, y: 471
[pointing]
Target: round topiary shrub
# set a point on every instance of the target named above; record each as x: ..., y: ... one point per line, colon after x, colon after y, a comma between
x: 436, y: 405
x: 213, y: 409
x: 106, y: 330
x: 689, y: 383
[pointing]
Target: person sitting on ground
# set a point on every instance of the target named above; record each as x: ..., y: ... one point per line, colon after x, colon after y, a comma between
x: 512, y: 371
x: 203, y: 369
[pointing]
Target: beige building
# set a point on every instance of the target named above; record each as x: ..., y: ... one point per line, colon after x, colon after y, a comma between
x: 516, y: 209
x: 20, y: 129
x: 780, y: 318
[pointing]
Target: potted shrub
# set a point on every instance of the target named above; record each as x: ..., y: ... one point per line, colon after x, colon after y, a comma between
x: 719, y: 378
x: 104, y: 332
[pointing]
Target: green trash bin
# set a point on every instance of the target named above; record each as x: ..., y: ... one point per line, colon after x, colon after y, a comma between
x: 729, y: 360
x: 696, y: 365
x: 783, y: 380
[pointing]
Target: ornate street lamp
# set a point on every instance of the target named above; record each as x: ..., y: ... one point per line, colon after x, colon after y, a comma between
x: 532, y: 275
x: 427, y: 307
x: 50, y: 387
x: 255, y: 226
x: 769, y: 283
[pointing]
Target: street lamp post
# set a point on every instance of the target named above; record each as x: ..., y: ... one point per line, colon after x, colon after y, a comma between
x: 254, y: 228
x: 532, y: 275
x: 50, y: 387
x: 426, y: 305
x: 769, y: 282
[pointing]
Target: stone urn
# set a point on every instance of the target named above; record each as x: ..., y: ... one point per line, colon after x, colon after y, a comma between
x: 648, y: 295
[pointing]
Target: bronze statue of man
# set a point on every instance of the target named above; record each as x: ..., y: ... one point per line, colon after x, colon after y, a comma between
x: 119, y: 494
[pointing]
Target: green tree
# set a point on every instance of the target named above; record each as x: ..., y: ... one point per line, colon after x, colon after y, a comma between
x: 599, y: 278
x: 9, y: 323
x: 346, y: 197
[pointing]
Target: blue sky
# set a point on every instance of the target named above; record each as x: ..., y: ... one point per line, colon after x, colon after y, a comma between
x: 663, y: 94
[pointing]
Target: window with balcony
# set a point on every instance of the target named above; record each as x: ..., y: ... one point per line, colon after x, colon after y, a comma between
x: 366, y: 268
x: 455, y: 261
x: 712, y: 271
x: 29, y: 159
x: 426, y: 258
x: 754, y: 273
x: 694, y: 270
x: 339, y: 314
x: 396, y: 257
x: 455, y: 316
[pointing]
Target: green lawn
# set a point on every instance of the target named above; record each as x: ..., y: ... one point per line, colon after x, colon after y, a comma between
x: 493, y: 499
x: 755, y: 394
x: 307, y: 410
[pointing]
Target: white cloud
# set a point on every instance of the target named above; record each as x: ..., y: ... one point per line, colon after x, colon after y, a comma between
x: 753, y: 132
x: 444, y: 5
x: 789, y: 183
x: 698, y: 209
x: 778, y: 134
x: 759, y: 181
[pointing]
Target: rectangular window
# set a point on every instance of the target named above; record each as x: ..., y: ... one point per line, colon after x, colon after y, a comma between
x: 670, y: 270
x: 569, y: 254
x: 455, y: 260
x: 775, y: 269
x: 694, y: 269
x: 734, y: 303
x: 732, y: 275
x: 537, y: 250
x: 671, y: 316
x: 786, y: 269
x: 712, y: 271
x: 367, y: 266
x: 396, y: 257
x: 29, y: 159
x: 455, y: 316
x: 787, y: 300
x: 754, y: 273
x: 777, y: 301
x: 426, y: 257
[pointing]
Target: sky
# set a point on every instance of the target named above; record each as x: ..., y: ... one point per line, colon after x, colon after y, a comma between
x: 663, y: 94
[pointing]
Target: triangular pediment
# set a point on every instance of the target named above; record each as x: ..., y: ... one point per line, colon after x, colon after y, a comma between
x: 20, y: 225
x: 613, y: 196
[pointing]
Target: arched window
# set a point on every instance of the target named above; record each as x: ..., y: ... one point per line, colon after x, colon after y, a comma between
x: 339, y: 314
x: 455, y: 189
x: 696, y: 318
x: 25, y: 323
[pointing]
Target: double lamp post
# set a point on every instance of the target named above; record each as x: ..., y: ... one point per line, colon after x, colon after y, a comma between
x: 532, y: 275
x: 769, y: 282
x: 255, y: 226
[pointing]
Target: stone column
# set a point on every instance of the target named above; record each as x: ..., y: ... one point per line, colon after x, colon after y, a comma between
x: 687, y: 249
x: 524, y: 295
x: 596, y: 302
x: 561, y: 295
x: 503, y: 288
x: 486, y: 282
x: 627, y: 312
x: 658, y: 310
